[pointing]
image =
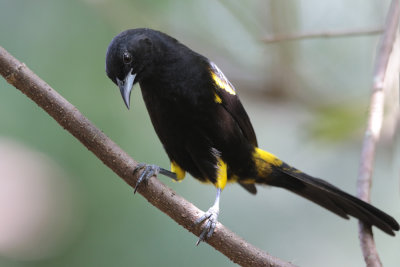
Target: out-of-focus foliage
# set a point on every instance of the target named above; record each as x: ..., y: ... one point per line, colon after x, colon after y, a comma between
x: 296, y: 94
x: 338, y: 122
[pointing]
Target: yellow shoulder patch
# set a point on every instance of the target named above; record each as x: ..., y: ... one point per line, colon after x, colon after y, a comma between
x: 220, y: 80
x: 180, y: 173
x: 217, y: 99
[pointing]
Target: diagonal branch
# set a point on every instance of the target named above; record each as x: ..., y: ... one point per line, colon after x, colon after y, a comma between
x: 159, y: 195
x: 322, y: 34
x: 375, y: 118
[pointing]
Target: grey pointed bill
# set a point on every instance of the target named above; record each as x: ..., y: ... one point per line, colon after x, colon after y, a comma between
x: 125, y: 87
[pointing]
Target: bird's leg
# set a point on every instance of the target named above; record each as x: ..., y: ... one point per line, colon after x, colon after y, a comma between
x: 168, y: 173
x: 211, y: 218
x: 148, y: 170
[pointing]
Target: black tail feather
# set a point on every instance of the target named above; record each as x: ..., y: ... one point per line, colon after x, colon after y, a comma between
x: 330, y: 197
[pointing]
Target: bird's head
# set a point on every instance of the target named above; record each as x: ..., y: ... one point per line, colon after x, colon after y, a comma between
x: 130, y: 56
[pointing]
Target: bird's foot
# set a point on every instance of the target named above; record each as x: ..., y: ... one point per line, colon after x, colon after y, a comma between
x: 211, y: 218
x: 148, y: 170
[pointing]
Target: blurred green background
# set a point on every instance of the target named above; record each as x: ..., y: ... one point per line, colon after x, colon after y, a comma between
x: 308, y: 102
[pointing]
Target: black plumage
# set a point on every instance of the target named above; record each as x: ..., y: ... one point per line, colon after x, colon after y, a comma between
x: 205, y: 130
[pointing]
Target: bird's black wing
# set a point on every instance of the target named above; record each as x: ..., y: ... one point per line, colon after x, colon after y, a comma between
x: 225, y: 94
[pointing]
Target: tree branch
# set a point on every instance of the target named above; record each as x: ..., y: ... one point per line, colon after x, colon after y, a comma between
x: 322, y: 34
x: 374, y: 126
x: 159, y: 195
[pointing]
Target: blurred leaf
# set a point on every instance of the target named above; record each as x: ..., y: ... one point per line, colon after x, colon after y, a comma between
x: 338, y: 122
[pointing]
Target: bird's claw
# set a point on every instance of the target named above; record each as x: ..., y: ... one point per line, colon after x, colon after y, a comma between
x: 148, y: 171
x: 211, y: 218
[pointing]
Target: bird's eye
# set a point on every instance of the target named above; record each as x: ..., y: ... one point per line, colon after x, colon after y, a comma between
x: 127, y: 58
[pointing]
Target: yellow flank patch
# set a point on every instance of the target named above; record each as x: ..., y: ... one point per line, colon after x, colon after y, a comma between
x: 222, y: 82
x: 217, y: 99
x: 264, y: 160
x: 222, y: 174
x: 180, y: 173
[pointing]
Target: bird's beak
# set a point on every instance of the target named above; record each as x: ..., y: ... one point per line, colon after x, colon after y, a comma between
x: 125, y: 86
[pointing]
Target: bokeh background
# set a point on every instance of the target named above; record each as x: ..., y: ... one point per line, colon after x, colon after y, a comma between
x: 308, y: 100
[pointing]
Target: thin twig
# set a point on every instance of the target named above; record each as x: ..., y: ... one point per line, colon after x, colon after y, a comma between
x: 159, y: 195
x: 322, y: 34
x: 372, y: 132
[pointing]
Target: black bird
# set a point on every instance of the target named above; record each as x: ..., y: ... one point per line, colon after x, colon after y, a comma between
x: 205, y: 130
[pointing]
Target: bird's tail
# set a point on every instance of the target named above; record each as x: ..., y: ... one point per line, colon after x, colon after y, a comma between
x: 272, y: 171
